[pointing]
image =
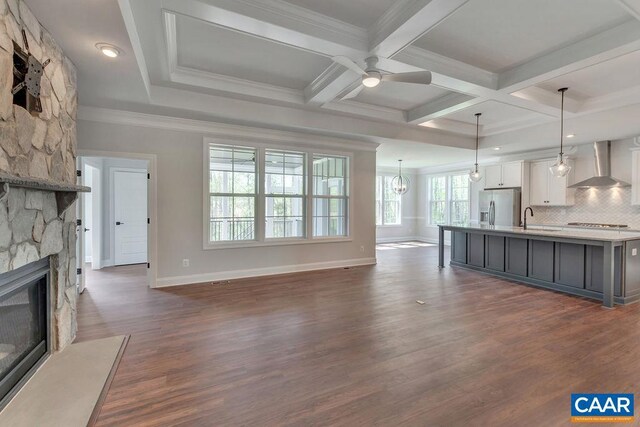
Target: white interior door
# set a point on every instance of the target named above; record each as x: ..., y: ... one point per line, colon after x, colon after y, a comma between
x: 130, y: 214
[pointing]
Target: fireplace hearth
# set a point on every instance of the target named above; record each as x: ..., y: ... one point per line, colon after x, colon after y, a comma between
x: 24, y: 325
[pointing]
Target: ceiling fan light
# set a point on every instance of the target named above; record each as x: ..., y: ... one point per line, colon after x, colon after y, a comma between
x: 371, y: 79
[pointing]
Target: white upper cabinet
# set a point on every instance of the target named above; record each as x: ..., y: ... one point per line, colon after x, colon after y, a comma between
x: 547, y: 190
x: 512, y: 174
x: 506, y: 175
x: 493, y: 176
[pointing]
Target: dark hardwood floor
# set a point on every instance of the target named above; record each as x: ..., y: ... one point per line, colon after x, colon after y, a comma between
x: 352, y: 347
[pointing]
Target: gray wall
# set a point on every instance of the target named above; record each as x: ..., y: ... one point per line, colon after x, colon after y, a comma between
x: 180, y: 206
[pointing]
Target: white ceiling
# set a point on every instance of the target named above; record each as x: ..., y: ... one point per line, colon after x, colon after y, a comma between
x: 492, y: 113
x: 205, y: 47
x: 361, y: 13
x: 267, y: 63
x: 601, y: 79
x: 417, y: 155
x: 498, y: 34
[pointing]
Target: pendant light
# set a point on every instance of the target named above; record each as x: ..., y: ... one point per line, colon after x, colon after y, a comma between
x: 561, y: 168
x: 399, y: 183
x: 474, y: 174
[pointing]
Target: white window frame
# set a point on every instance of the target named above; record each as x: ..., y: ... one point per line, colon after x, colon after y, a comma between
x: 448, y: 195
x: 255, y: 195
x: 383, y: 176
x: 305, y: 194
x: 346, y: 197
x: 260, y: 240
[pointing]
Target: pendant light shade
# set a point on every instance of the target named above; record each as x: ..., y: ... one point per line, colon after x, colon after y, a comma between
x: 400, y: 183
x: 561, y: 168
x: 474, y: 174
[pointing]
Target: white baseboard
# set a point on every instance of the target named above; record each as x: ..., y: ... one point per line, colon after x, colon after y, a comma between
x: 256, y: 272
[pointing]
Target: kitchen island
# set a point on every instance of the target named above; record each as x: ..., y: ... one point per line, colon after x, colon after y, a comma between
x: 603, y: 265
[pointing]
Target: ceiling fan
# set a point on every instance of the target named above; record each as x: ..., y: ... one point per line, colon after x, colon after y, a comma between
x: 372, y: 76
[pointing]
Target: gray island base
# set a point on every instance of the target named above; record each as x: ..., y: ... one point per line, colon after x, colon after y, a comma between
x: 603, y: 265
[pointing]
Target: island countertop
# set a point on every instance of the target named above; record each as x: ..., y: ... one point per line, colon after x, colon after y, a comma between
x: 553, y: 231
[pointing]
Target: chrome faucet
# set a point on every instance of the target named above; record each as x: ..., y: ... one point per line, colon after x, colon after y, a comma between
x: 525, y: 216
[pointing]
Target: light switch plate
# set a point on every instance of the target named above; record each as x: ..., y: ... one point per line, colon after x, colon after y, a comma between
x: 634, y: 252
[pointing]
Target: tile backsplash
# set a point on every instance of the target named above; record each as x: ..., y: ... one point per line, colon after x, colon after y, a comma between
x: 598, y: 205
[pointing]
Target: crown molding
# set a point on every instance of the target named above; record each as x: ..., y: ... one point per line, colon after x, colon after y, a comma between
x: 216, y: 129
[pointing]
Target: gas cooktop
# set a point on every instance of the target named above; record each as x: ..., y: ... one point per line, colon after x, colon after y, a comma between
x: 595, y: 225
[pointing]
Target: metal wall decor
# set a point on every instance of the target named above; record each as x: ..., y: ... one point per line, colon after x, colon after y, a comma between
x: 27, y: 75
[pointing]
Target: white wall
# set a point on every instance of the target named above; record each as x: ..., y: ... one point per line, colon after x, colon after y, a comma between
x: 407, y: 230
x: 180, y: 206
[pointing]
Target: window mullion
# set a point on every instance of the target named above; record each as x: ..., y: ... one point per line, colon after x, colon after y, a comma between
x: 260, y: 196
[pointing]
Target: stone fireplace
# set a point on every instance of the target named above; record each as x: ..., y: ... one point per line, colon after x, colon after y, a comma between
x: 38, y: 170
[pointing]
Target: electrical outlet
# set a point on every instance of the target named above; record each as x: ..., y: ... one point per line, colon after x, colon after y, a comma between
x: 185, y: 262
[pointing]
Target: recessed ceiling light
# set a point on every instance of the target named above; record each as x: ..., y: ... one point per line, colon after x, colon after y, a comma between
x: 109, y: 50
x: 571, y: 135
x: 497, y: 148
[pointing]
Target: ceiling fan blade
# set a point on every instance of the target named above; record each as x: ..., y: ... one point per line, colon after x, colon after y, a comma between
x: 355, y: 92
x: 417, y: 77
x: 346, y: 62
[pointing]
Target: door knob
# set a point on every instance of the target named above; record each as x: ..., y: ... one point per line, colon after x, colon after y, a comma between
x: 119, y: 223
x: 87, y: 229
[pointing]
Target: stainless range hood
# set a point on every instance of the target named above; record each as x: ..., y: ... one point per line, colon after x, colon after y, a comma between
x: 603, y: 176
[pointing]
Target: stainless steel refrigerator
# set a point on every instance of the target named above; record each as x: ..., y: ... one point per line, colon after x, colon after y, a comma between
x: 500, y: 207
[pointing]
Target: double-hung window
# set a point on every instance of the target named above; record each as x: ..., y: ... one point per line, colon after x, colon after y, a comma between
x: 262, y: 195
x: 330, y: 195
x: 232, y: 193
x: 285, y: 194
x: 448, y: 199
x: 388, y: 202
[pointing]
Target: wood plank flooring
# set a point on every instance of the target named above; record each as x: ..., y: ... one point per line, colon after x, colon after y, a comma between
x: 352, y: 347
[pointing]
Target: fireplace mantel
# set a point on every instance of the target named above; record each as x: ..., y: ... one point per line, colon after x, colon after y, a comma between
x: 66, y: 193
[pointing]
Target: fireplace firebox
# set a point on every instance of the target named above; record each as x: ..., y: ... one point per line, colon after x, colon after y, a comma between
x: 24, y: 325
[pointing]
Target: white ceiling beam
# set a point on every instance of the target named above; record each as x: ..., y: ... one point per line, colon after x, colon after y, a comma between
x: 396, y: 30
x: 329, y: 84
x: 609, y: 44
x: 280, y: 22
x: 549, y: 98
x: 320, y: 122
x: 453, y: 126
x: 406, y: 21
x: 423, y: 59
x: 440, y: 107
x: 136, y: 45
x: 631, y: 6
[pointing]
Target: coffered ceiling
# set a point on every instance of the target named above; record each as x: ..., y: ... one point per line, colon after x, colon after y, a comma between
x: 268, y: 62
